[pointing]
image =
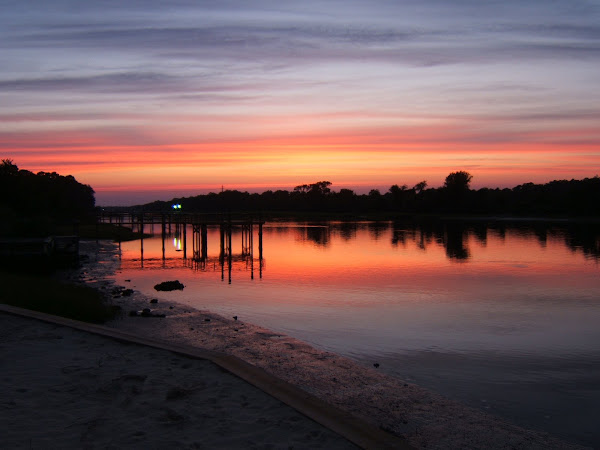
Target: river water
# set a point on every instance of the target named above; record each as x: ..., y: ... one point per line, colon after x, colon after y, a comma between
x: 501, y: 316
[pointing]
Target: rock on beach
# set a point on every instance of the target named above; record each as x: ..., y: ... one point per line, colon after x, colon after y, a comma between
x: 169, y: 286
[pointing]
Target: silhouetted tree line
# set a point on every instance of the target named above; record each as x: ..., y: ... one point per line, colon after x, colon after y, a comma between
x: 32, y: 203
x: 557, y: 198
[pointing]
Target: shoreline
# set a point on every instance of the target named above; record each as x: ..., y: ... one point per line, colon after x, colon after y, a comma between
x: 421, y: 417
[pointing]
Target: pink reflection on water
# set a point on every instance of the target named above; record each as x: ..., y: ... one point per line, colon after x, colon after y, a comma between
x: 384, y: 259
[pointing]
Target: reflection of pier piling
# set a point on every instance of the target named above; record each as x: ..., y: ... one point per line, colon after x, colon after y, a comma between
x: 260, y: 247
x: 225, y: 249
x: 199, y: 224
x: 200, y: 243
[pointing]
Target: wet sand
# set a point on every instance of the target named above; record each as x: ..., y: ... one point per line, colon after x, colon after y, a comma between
x: 424, y: 418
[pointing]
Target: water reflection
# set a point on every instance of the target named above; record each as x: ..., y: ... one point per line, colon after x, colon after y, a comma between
x: 455, y: 244
x: 505, y: 313
x: 317, y: 234
x: 227, y: 260
x: 377, y: 229
x: 454, y: 236
x: 348, y: 230
x: 236, y: 250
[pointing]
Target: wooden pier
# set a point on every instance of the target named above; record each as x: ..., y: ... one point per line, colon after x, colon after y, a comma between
x: 178, y: 223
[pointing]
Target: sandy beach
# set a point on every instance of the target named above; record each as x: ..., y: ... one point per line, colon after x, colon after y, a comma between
x: 65, y: 388
x: 146, y: 409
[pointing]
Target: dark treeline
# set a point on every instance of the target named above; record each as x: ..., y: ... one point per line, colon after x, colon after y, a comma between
x: 557, y: 198
x: 32, y: 204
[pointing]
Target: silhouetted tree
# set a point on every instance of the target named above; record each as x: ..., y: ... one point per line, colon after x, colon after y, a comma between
x: 36, y: 203
x: 396, y: 190
x: 397, y: 196
x: 420, y: 186
x: 458, y: 181
x: 320, y: 187
x: 303, y: 188
x: 8, y: 168
x: 455, y: 195
x: 376, y: 201
x: 345, y: 201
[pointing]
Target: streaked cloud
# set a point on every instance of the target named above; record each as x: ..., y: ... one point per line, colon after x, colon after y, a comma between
x: 104, y: 87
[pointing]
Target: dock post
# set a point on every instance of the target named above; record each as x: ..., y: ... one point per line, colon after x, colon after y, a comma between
x: 141, y: 240
x: 204, y: 241
x: 184, y: 240
x: 195, y: 242
x: 222, y: 242
x: 251, y: 250
x: 163, y: 235
x: 222, y: 249
x: 260, y: 241
x: 229, y: 258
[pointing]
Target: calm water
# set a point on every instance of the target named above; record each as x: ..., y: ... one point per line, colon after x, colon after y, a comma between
x: 501, y: 317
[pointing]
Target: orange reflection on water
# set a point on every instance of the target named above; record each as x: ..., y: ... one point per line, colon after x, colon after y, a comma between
x: 419, y: 265
x: 363, y: 256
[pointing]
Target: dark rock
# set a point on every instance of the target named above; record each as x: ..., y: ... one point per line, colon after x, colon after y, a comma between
x: 169, y: 286
x: 170, y: 307
x: 376, y: 365
x: 133, y: 313
x: 207, y: 320
x: 154, y: 300
x: 146, y: 312
x: 127, y: 292
x: 128, y: 281
x: 234, y: 317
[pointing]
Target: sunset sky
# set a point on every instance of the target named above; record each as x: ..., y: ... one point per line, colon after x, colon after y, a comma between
x: 148, y: 100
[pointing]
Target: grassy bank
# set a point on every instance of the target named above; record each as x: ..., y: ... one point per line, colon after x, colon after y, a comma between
x: 45, y: 294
